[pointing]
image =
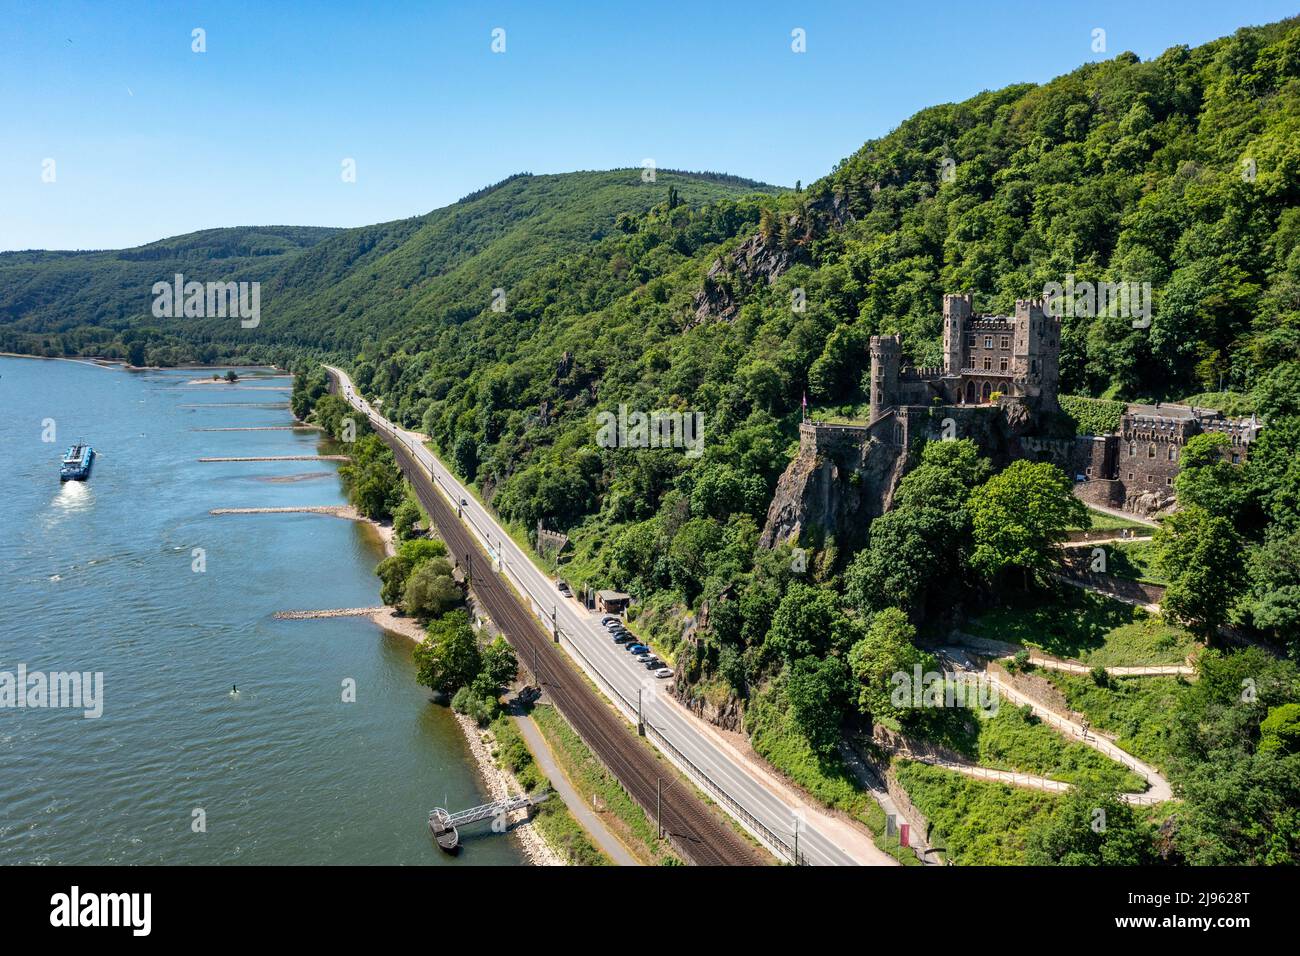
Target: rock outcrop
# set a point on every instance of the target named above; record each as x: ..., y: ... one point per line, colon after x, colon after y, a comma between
x: 841, y: 479
x: 762, y: 260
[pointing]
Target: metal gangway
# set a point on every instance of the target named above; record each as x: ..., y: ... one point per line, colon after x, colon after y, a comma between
x: 443, y: 824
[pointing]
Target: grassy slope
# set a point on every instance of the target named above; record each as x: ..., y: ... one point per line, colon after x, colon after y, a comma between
x: 1137, y: 710
x: 1090, y: 628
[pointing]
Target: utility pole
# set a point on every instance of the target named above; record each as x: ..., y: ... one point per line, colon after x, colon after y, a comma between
x: 469, y: 577
x: 796, y: 841
x: 640, y: 721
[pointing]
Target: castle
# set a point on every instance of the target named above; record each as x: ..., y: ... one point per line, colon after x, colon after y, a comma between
x: 984, y: 356
x: 998, y: 386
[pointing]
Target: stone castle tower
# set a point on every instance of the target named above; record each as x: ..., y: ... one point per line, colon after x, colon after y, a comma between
x: 886, y: 357
x: 1015, y: 357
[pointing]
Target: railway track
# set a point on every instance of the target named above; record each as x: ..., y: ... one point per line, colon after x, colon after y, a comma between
x: 696, y: 832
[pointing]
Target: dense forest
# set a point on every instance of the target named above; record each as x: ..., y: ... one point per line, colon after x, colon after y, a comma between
x: 502, y: 325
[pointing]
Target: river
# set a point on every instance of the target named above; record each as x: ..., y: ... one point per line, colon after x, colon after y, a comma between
x: 104, y: 577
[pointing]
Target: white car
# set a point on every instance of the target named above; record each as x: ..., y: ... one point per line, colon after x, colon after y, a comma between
x: 664, y: 672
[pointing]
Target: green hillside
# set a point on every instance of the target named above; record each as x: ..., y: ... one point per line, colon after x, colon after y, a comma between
x: 329, y: 289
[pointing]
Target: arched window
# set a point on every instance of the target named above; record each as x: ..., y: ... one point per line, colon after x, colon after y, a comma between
x: 986, y: 392
x: 1173, y: 452
x: 1132, y: 449
x: 1151, y: 450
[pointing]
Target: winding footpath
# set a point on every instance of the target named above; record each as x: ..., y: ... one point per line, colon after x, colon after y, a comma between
x: 1158, y: 790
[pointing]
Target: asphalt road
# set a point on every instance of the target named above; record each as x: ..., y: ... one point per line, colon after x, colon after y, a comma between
x: 761, y: 810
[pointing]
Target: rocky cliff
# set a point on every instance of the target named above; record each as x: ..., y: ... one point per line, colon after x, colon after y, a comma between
x: 840, y: 480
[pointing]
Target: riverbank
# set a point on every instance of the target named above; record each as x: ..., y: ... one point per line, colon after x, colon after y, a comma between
x: 501, y: 783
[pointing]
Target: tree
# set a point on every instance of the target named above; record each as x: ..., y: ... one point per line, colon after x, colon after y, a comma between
x: 885, y: 651
x: 500, y: 666
x: 465, y: 456
x: 1279, y: 732
x: 1240, y: 790
x: 1090, y: 827
x: 406, y: 516
x: 1020, y: 516
x: 808, y: 622
x: 430, y: 590
x: 1201, y: 555
x: 815, y: 689
x: 1274, y: 572
x: 910, y: 554
x: 448, y: 658
x: 1273, y: 470
x: 1207, y: 480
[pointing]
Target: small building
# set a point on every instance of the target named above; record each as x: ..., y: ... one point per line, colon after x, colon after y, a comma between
x: 612, y: 602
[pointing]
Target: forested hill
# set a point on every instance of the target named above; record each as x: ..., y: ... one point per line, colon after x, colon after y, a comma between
x: 330, y: 289
x: 74, y: 303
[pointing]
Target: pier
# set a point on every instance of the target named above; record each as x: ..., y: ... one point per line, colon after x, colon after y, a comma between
x: 443, y: 824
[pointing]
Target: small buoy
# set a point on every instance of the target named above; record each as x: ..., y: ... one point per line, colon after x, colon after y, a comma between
x: 234, y: 691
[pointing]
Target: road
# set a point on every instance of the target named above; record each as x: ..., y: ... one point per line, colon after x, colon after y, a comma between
x: 762, y: 807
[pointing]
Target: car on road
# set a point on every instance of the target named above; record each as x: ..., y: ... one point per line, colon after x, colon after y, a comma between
x: 637, y: 648
x: 664, y: 672
x: 563, y: 588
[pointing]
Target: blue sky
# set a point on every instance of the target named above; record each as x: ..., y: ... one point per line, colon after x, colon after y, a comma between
x: 150, y: 139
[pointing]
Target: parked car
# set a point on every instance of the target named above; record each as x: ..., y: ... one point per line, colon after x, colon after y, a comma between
x: 652, y: 662
x: 664, y: 672
x: 637, y: 648
x: 609, y: 620
x: 563, y: 588
x: 624, y: 639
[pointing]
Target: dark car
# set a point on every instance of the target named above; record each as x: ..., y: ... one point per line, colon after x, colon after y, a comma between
x: 637, y: 648
x: 623, y: 638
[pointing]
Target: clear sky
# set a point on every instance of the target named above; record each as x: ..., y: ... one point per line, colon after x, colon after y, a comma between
x: 150, y: 139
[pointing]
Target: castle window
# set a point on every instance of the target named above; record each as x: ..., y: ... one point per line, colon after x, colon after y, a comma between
x: 1169, y: 481
x: 1088, y: 472
x: 1151, y: 450
x: 1173, y: 452
x: 1236, y: 458
x: 1006, y: 342
x: 988, y: 341
x: 988, y: 363
x: 1003, y: 363
x: 1033, y: 365
x: 1130, y: 476
x: 1132, y: 451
